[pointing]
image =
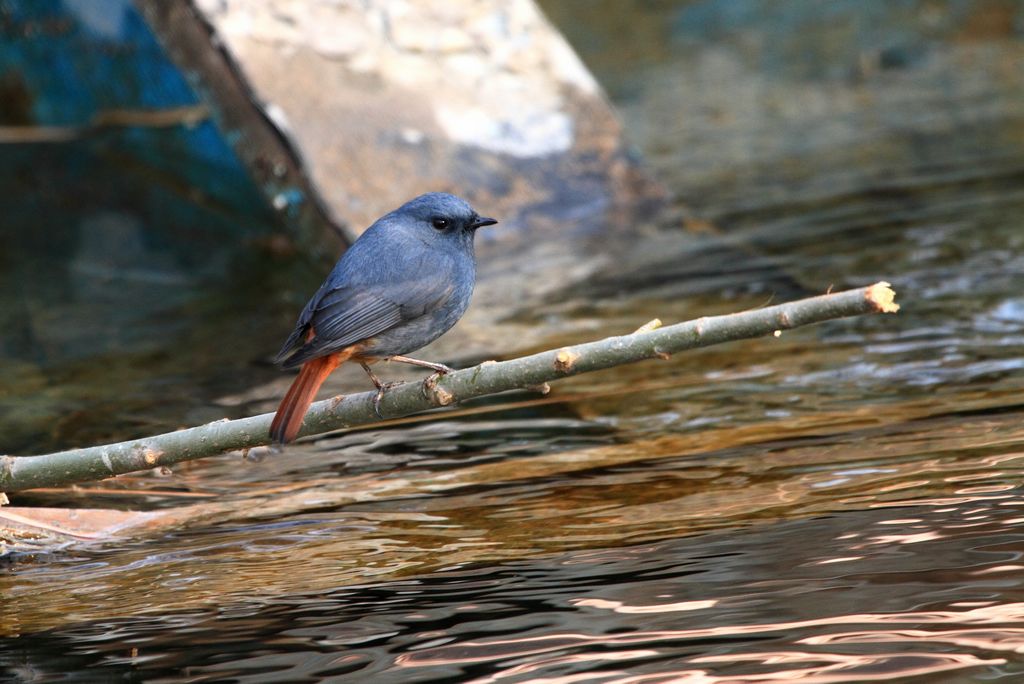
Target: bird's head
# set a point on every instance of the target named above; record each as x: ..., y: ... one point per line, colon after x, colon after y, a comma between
x: 440, y: 218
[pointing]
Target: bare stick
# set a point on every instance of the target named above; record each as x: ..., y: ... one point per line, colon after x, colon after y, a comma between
x: 651, y: 341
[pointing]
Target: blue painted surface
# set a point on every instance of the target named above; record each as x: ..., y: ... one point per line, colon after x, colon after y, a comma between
x: 74, y: 58
x: 79, y: 57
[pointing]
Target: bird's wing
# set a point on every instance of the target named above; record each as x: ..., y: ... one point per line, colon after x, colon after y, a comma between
x: 342, y: 316
x: 346, y: 316
x: 382, y: 280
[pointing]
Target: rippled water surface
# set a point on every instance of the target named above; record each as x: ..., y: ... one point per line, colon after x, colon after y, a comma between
x: 840, y: 504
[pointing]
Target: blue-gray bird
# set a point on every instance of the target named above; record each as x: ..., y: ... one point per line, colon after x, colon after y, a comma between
x: 405, y: 282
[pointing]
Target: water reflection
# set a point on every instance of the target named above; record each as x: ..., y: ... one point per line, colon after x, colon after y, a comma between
x: 779, y: 601
x: 111, y: 269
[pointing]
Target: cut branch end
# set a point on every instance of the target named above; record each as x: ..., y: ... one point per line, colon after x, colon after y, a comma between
x: 883, y: 297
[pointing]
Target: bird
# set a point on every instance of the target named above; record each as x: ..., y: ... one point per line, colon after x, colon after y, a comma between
x: 402, y: 284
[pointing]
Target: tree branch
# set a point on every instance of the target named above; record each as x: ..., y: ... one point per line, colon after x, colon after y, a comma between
x: 95, y: 463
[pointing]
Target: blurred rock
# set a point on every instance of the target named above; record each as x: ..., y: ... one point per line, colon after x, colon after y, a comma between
x: 385, y: 99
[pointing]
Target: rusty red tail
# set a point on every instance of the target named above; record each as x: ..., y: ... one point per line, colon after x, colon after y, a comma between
x: 288, y: 419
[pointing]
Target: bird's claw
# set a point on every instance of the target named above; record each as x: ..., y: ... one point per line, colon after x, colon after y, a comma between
x: 440, y: 370
x: 381, y: 388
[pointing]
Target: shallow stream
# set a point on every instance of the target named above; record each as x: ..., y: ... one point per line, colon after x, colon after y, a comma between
x: 840, y: 504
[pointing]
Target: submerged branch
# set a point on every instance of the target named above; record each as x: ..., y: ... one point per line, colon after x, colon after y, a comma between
x: 95, y: 463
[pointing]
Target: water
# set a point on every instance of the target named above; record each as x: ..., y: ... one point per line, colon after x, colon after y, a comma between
x: 841, y: 504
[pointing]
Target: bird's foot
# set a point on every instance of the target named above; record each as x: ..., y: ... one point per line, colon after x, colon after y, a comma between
x: 430, y: 384
x: 381, y: 388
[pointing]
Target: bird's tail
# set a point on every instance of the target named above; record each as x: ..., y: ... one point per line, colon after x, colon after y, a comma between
x: 292, y: 410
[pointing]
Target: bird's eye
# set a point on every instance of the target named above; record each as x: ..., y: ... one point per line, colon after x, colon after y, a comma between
x: 440, y: 223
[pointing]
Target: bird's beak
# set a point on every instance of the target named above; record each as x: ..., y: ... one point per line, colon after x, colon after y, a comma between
x: 481, y: 221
